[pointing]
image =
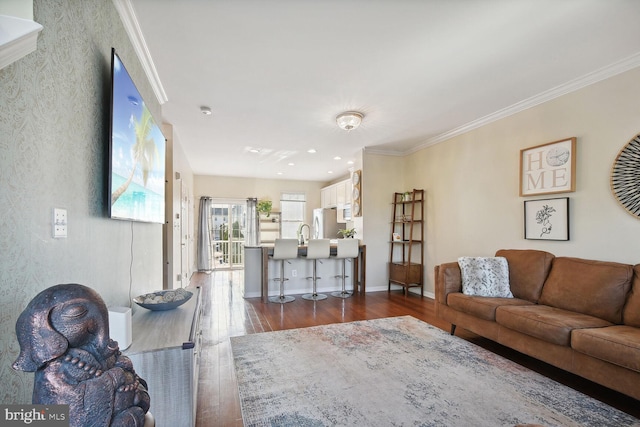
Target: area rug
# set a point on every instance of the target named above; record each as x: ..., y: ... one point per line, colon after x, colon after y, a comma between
x: 398, y: 371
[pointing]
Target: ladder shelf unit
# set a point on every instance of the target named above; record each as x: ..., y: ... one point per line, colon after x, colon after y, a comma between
x: 270, y: 227
x: 406, y: 254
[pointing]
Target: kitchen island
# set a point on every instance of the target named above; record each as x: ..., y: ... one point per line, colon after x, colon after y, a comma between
x: 260, y: 270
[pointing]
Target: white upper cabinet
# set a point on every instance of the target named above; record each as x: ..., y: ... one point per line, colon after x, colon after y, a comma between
x: 337, y: 195
x: 340, y: 194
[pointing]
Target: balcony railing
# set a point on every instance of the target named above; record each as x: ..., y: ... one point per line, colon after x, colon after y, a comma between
x: 225, y: 254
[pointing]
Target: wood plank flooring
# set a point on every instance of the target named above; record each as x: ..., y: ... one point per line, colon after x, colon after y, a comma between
x: 227, y: 314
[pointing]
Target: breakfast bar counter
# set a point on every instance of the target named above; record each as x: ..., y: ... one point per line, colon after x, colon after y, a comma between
x: 260, y: 272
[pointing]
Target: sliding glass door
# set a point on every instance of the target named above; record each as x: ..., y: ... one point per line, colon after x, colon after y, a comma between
x: 228, y: 228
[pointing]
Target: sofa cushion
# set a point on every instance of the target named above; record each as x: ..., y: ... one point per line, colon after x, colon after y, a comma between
x: 485, y: 276
x: 549, y: 324
x: 619, y: 344
x: 631, y: 313
x: 482, y: 307
x: 528, y: 269
x: 596, y: 288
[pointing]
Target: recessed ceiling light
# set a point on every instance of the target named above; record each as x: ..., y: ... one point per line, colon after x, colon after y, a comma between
x: 291, y: 164
x: 205, y: 110
x: 329, y: 171
x: 254, y: 150
x: 337, y: 158
x: 311, y: 150
x: 279, y: 173
x: 350, y: 162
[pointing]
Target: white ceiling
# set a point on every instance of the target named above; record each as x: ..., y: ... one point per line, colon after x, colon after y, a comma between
x: 277, y: 72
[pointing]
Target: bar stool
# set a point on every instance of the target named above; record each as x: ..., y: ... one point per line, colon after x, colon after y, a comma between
x: 347, y: 249
x: 316, y: 249
x: 284, y: 250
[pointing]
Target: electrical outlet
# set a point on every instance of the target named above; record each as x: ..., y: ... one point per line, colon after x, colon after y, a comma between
x: 59, y: 223
x: 294, y: 273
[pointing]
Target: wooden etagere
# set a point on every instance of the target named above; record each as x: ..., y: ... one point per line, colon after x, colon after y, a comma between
x: 270, y: 227
x: 406, y: 255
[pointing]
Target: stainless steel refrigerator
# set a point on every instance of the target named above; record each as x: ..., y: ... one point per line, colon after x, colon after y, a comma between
x: 325, y: 225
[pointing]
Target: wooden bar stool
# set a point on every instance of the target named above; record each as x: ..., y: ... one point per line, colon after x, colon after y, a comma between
x: 347, y: 249
x: 284, y: 250
x: 317, y: 249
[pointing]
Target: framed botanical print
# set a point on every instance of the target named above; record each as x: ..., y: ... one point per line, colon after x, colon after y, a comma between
x: 548, y: 168
x: 546, y: 219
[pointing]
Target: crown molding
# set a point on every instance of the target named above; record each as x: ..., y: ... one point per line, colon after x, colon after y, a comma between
x: 18, y: 38
x: 604, y: 73
x: 384, y: 152
x: 132, y: 27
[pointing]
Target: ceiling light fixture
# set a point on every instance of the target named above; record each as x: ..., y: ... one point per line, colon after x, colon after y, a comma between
x: 349, y: 120
x: 205, y: 110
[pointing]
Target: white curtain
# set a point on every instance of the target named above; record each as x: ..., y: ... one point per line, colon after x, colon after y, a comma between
x: 253, y: 224
x: 204, y: 235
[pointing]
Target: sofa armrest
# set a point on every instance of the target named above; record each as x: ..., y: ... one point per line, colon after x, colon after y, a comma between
x: 448, y: 280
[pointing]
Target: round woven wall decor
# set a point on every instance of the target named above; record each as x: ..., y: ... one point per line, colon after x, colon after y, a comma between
x: 625, y: 177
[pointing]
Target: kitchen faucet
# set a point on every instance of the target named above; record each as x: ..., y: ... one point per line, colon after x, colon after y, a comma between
x: 301, y: 234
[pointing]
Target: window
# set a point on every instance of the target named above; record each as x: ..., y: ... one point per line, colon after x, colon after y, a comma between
x: 293, y: 207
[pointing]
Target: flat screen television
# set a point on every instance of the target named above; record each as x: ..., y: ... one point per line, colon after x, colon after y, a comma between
x: 136, y: 153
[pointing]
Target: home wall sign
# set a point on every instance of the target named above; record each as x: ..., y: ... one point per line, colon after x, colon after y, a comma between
x: 625, y: 177
x: 548, y: 168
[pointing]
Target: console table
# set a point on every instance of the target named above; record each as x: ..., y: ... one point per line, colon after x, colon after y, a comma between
x: 165, y: 351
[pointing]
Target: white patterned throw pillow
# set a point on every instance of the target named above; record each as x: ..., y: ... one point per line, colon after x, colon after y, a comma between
x: 485, y: 276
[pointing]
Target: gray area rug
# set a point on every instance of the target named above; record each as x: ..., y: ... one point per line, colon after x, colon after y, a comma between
x: 398, y: 371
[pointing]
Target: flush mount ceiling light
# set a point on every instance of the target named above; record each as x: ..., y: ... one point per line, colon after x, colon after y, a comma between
x: 205, y: 110
x: 349, y: 120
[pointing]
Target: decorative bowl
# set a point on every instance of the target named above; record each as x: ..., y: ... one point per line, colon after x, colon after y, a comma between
x: 163, y: 300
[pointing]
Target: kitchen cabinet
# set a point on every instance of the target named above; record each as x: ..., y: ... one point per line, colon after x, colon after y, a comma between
x: 340, y: 194
x: 345, y: 189
x: 329, y: 197
x: 336, y: 195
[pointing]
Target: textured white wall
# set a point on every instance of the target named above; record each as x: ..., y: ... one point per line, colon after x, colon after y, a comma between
x: 471, y: 182
x: 54, y: 107
x: 473, y: 207
x: 381, y: 177
x: 242, y: 188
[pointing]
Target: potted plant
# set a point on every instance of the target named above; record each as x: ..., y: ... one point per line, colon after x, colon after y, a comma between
x: 264, y: 207
x: 347, y: 233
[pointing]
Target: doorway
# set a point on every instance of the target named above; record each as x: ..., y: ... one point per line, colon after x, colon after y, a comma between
x: 228, y: 228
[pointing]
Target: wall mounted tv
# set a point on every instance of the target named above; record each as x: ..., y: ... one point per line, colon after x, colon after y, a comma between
x: 136, y: 153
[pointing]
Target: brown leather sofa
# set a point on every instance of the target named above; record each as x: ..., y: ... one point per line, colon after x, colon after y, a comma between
x: 579, y: 315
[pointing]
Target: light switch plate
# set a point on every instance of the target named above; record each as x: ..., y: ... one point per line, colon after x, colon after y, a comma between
x: 59, y: 223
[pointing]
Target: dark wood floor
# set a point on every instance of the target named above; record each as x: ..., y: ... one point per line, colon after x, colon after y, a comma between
x: 227, y: 314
